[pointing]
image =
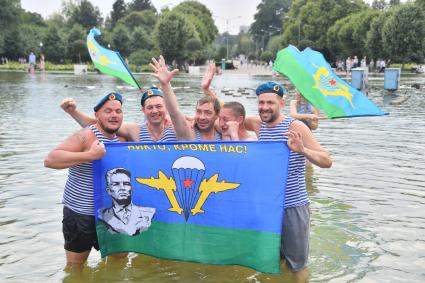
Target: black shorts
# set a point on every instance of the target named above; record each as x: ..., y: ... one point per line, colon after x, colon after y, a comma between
x: 79, y: 231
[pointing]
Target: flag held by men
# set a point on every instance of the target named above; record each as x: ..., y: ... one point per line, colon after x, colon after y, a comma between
x: 107, y: 61
x: 314, y: 78
x: 215, y: 203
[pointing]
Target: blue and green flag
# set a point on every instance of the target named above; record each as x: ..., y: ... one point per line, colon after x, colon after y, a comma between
x: 107, y: 61
x: 314, y: 78
x: 216, y: 203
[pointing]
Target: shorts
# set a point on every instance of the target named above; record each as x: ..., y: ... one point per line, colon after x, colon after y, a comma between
x: 79, y: 231
x: 295, y: 237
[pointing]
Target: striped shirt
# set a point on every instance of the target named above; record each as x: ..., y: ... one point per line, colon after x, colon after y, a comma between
x: 167, y: 135
x: 296, y: 193
x: 78, y: 194
x: 199, y: 138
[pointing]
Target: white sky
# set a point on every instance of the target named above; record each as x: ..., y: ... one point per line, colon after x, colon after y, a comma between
x: 235, y: 12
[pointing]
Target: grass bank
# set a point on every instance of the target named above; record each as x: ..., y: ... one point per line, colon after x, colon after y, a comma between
x: 16, y: 66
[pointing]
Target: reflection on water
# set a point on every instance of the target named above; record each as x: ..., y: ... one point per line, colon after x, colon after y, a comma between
x: 367, y: 210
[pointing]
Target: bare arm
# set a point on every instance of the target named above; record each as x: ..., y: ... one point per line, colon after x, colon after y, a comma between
x: 70, y: 106
x: 129, y: 131
x: 253, y: 123
x: 302, y: 141
x: 78, y: 148
x: 164, y: 76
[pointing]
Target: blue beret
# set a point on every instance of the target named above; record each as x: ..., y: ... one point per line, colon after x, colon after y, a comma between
x: 110, y: 96
x: 270, y: 87
x: 152, y: 91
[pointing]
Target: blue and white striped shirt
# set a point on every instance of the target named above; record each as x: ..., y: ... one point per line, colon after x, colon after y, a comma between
x: 199, y: 138
x: 296, y: 193
x: 167, y: 135
x: 78, y: 194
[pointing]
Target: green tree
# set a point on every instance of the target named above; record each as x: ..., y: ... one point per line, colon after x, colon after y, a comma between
x: 54, y: 47
x: 13, y: 44
x: 76, y: 44
x: 275, y: 44
x: 82, y: 13
x: 121, y: 41
x: 347, y: 37
x: 268, y: 18
x: 141, y: 5
x: 145, y: 19
x: 307, y: 19
x: 9, y: 20
x: 201, y: 18
x: 245, y: 44
x: 142, y: 57
x: 172, y: 33
x: 32, y: 36
x: 403, y: 33
x: 379, y: 5
x: 9, y: 14
x: 32, y: 19
x: 140, y: 39
x: 194, y: 46
x: 118, y: 11
x: 266, y: 56
x: 374, y: 44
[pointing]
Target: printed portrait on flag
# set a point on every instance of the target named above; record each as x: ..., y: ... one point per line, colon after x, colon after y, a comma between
x: 124, y: 216
x: 208, y: 202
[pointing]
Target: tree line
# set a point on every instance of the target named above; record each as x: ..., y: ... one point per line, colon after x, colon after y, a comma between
x: 389, y: 29
x: 137, y: 30
x: 187, y: 34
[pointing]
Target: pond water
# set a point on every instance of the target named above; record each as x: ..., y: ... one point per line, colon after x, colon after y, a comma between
x: 368, y: 219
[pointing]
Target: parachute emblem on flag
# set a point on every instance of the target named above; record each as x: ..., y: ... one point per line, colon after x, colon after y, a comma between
x: 187, y: 190
x: 329, y: 86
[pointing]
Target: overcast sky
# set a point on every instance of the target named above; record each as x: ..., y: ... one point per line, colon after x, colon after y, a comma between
x: 235, y: 12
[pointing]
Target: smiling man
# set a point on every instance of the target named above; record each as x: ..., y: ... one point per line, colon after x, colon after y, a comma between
x: 272, y: 125
x: 207, y: 108
x: 153, y: 107
x: 76, y: 153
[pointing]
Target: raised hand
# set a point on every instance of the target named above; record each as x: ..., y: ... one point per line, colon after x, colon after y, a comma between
x: 295, y: 142
x: 208, y: 76
x: 161, y: 71
x: 68, y: 105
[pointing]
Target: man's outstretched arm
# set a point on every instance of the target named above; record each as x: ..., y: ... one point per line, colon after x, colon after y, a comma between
x: 164, y: 76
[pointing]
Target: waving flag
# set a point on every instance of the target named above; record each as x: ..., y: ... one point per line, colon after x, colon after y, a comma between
x: 108, y: 61
x: 314, y: 78
x: 201, y: 202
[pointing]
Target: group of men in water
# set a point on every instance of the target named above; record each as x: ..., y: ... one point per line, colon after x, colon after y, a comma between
x: 213, y: 121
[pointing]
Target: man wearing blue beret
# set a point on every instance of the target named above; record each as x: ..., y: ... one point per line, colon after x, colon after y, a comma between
x: 153, y: 107
x: 273, y: 125
x: 76, y: 153
x: 207, y: 108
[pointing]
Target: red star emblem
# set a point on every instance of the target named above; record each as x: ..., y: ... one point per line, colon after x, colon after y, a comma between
x: 187, y: 183
x: 94, y: 54
x: 332, y: 82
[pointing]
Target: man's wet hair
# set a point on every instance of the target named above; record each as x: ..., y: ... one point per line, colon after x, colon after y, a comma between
x: 208, y: 99
x: 237, y: 108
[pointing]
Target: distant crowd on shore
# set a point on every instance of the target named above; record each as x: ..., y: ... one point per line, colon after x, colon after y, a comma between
x: 347, y: 65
